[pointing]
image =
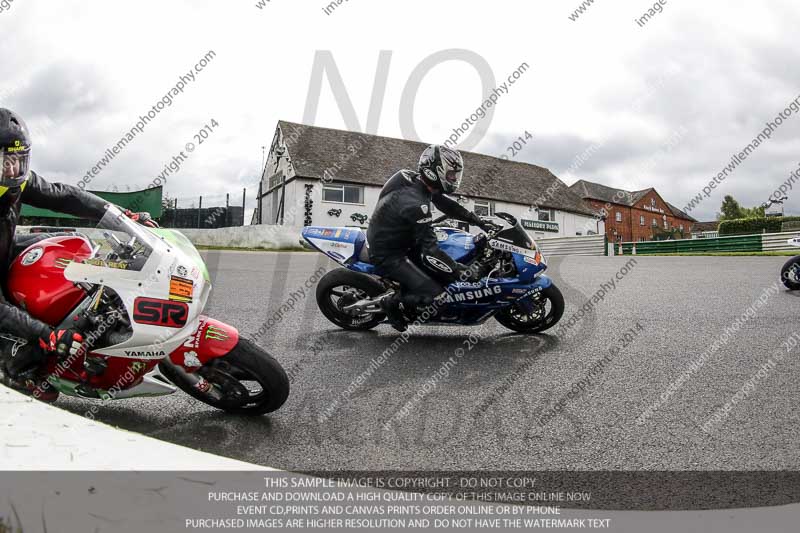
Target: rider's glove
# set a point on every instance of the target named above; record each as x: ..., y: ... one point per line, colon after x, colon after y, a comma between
x: 62, y: 342
x: 486, y: 225
x: 142, y: 218
x: 490, y: 227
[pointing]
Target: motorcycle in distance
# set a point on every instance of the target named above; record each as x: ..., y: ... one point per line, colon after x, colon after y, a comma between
x: 513, y: 288
x: 137, y: 294
x: 790, y: 272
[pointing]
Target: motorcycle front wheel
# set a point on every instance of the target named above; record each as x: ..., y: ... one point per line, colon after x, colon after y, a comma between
x: 247, y: 381
x: 790, y: 273
x: 546, y: 313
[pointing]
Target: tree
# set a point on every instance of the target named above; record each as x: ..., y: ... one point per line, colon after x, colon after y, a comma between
x: 753, y: 212
x: 730, y: 209
x: 166, y: 202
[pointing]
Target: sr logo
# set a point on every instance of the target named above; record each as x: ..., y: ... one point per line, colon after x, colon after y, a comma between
x: 165, y: 313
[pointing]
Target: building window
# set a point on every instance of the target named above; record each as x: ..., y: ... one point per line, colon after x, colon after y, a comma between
x: 655, y: 223
x: 547, y: 215
x: 641, y: 220
x: 343, y: 194
x: 653, y: 202
x: 681, y: 228
x: 484, y: 208
x: 619, y: 216
x: 666, y: 224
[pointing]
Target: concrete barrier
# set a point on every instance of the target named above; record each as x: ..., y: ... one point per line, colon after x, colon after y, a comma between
x: 257, y: 236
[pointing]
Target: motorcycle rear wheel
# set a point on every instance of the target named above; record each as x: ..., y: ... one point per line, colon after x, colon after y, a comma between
x: 790, y: 273
x: 247, y: 381
x: 516, y: 319
x: 341, y: 287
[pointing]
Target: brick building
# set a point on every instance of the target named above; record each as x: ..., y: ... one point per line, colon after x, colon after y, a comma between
x: 635, y: 216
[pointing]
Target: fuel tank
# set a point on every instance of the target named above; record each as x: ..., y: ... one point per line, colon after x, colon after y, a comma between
x: 36, y: 279
x: 456, y: 243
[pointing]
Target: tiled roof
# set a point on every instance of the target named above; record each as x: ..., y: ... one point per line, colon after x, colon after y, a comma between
x: 597, y: 191
x: 314, y: 150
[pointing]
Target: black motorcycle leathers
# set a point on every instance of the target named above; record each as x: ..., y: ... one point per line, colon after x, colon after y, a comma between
x: 403, y: 243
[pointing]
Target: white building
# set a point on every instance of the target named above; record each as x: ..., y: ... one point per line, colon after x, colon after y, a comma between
x: 325, y: 177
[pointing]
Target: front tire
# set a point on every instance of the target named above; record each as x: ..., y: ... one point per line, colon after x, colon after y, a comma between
x: 545, y: 315
x: 790, y: 274
x: 341, y: 287
x: 247, y: 381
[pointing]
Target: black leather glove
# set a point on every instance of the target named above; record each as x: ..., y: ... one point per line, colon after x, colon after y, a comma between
x: 62, y: 342
x: 485, y: 225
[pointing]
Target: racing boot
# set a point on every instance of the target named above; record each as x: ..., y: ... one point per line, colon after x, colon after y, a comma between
x: 392, y: 308
x: 31, y: 383
x: 24, y: 372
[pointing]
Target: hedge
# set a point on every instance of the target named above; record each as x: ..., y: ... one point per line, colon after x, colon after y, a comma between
x: 744, y: 226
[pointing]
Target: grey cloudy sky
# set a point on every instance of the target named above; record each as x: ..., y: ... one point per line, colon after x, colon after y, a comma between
x: 667, y: 103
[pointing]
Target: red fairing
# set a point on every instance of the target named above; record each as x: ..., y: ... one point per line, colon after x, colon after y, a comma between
x: 36, y: 279
x: 213, y: 339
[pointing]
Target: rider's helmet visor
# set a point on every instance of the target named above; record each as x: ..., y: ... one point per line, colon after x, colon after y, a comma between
x: 15, y: 168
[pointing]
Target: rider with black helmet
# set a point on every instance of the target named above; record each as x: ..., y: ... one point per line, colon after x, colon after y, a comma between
x: 18, y: 185
x: 402, y: 242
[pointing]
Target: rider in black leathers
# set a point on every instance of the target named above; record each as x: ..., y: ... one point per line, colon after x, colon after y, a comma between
x: 18, y: 185
x: 402, y: 242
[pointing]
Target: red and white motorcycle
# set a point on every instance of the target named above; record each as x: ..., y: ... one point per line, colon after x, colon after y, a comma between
x: 138, y: 295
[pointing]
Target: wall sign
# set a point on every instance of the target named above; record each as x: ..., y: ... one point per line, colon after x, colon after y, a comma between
x: 540, y: 225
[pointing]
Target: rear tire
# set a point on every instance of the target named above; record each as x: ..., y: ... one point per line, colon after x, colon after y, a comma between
x: 247, y: 362
x: 342, y: 287
x: 515, y: 319
x: 790, y: 274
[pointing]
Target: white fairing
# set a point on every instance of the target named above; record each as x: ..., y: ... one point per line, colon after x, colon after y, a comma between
x: 513, y: 248
x: 151, y: 281
x: 336, y: 250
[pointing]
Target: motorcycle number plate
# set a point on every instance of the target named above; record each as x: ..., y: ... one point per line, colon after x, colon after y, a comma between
x: 164, y: 313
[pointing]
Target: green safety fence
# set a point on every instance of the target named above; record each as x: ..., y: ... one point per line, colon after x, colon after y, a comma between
x: 742, y: 243
x: 148, y: 200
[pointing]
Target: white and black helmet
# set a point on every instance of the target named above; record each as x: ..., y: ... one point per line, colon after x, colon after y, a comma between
x: 441, y: 168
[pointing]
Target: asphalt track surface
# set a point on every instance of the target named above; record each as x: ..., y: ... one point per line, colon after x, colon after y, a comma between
x: 485, y: 411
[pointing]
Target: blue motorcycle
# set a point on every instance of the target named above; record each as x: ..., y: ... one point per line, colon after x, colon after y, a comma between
x: 513, y: 288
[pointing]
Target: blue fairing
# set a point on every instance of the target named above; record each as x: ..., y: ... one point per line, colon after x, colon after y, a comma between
x: 364, y: 268
x: 528, y: 271
x: 458, y: 244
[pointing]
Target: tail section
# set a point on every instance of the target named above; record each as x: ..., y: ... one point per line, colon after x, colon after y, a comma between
x: 343, y: 245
